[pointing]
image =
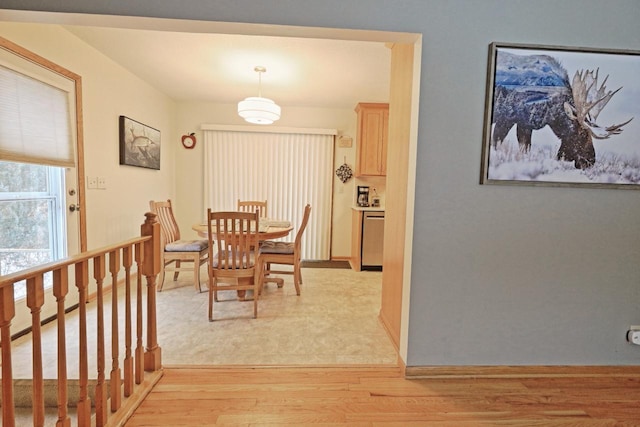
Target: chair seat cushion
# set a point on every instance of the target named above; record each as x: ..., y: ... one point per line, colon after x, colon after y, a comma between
x: 283, y: 248
x: 227, y: 255
x: 187, y: 245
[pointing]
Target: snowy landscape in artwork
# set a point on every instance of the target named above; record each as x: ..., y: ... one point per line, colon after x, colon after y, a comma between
x: 562, y: 117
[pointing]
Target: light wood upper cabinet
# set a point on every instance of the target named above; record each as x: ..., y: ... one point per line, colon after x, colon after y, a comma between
x: 371, y: 139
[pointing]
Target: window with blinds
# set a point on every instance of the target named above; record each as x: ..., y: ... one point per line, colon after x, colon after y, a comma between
x: 36, y: 145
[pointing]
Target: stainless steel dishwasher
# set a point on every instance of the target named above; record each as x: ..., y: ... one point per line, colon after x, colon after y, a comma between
x: 372, y: 240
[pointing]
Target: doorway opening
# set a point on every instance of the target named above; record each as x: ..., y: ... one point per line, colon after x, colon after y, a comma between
x: 187, y: 26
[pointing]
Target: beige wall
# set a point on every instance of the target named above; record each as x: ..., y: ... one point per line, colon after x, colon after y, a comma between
x: 189, y: 163
x: 109, y: 91
x: 500, y: 275
x: 115, y: 213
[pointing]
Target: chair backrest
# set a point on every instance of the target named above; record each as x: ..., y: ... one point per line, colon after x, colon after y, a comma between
x: 168, y: 225
x: 234, y: 235
x: 303, y: 225
x: 253, y: 206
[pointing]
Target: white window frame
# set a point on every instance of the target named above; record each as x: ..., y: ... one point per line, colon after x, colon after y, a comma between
x: 56, y: 220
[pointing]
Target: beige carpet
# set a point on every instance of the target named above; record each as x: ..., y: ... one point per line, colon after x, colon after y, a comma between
x: 333, y: 321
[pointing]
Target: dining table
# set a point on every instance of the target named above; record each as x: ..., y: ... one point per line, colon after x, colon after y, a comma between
x: 268, y: 229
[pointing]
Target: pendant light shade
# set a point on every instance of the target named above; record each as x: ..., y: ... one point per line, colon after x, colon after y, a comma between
x: 256, y: 109
x: 261, y: 111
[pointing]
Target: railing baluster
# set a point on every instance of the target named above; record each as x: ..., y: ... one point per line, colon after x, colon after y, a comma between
x: 60, y: 291
x: 35, y: 300
x: 101, y: 393
x: 145, y: 252
x: 7, y: 312
x: 127, y: 261
x: 84, y: 403
x: 114, y: 375
x: 139, y: 358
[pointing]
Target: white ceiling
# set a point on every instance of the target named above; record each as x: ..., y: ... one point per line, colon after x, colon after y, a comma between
x: 219, y: 68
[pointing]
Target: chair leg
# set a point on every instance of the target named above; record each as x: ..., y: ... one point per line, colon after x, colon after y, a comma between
x: 297, y: 279
x: 161, y: 278
x: 299, y: 274
x: 256, y: 295
x: 297, y: 265
x: 260, y: 276
x: 196, y: 273
x: 175, y: 273
x: 211, y: 286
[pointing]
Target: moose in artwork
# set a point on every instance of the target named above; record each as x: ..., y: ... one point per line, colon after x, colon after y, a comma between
x: 534, y: 91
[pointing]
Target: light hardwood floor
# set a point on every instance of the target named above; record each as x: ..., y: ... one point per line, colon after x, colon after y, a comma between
x: 323, y: 359
x: 379, y: 396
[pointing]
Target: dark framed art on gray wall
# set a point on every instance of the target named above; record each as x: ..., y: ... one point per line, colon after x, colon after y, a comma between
x: 139, y: 144
x: 562, y: 116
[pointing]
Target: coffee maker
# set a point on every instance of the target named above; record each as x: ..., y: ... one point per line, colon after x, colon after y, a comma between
x: 375, y: 199
x: 363, y: 196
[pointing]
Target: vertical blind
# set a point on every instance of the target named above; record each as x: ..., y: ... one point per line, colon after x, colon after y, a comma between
x: 288, y: 170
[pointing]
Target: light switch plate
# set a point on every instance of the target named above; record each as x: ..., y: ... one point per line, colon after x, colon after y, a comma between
x: 92, y: 182
x: 102, y: 182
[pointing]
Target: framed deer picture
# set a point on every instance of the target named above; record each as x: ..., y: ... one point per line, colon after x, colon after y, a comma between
x: 139, y: 144
x: 562, y: 116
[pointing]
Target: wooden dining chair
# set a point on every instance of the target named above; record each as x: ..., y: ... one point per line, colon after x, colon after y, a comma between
x: 287, y: 253
x: 232, y: 239
x: 177, y: 251
x: 253, y: 206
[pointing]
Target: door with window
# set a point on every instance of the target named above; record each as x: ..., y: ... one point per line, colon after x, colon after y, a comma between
x: 40, y: 215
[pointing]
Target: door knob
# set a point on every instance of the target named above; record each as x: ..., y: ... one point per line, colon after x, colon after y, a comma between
x: 74, y: 208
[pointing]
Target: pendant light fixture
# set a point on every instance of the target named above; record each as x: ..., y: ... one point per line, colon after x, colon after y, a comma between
x: 256, y: 109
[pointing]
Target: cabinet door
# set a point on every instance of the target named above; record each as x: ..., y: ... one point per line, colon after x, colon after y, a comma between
x: 382, y: 162
x: 371, y: 140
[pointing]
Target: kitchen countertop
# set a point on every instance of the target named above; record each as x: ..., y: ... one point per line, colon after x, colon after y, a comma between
x: 368, y: 208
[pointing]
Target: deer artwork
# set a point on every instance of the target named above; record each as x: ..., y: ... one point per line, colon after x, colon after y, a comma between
x: 533, y: 91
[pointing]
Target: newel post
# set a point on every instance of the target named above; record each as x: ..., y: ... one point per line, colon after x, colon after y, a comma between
x: 150, y: 269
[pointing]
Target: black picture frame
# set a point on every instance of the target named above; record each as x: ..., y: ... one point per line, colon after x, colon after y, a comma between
x: 139, y: 144
x: 538, y: 130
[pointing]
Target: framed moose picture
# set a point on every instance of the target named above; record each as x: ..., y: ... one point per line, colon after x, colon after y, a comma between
x: 562, y: 116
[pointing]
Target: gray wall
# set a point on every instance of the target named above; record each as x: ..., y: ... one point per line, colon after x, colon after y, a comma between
x: 501, y: 275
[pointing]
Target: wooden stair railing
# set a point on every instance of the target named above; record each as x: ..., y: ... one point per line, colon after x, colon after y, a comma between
x: 128, y: 382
